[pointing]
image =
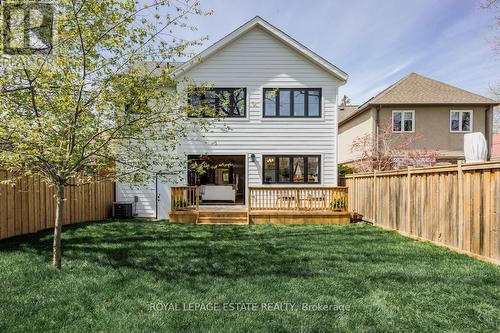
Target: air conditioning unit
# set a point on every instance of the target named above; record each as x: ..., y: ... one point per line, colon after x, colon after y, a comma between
x: 123, y: 210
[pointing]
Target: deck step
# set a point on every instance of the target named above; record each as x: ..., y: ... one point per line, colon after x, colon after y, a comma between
x: 222, y: 214
x: 219, y: 217
x: 223, y: 222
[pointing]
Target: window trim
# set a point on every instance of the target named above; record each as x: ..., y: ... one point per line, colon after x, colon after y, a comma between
x: 460, y: 121
x: 245, y: 107
x: 402, y: 121
x: 292, y: 108
x: 291, y: 182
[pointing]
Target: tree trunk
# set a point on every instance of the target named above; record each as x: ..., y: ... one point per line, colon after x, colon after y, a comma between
x: 56, y: 250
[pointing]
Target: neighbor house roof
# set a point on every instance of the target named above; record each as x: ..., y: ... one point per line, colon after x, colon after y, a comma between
x: 345, y: 111
x: 415, y: 89
x: 280, y: 35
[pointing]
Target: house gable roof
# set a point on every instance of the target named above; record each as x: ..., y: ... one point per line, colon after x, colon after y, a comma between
x: 415, y: 89
x: 346, y: 111
x: 280, y: 35
x: 418, y: 89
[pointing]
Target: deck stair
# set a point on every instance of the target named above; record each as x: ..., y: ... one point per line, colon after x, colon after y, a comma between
x: 213, y: 216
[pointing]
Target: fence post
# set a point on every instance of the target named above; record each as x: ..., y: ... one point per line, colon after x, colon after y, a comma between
x: 460, y: 176
x: 374, y: 197
x: 353, y: 194
x: 346, y: 196
x: 408, y: 201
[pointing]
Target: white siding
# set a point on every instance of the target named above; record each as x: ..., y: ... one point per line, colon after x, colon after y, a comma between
x: 254, y: 61
x: 146, y: 206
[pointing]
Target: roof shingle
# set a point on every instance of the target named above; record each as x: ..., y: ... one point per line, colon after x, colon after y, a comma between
x: 345, y: 111
x: 416, y: 89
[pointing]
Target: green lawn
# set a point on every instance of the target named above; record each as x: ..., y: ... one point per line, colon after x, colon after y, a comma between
x: 114, y: 271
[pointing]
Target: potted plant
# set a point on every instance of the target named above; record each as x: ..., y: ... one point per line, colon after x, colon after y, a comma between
x: 181, y: 204
x: 338, y: 204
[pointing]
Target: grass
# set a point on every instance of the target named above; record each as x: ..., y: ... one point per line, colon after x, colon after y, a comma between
x: 113, y: 272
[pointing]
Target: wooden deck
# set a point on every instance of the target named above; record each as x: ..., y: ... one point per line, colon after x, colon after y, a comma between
x: 287, y: 205
x: 299, y: 217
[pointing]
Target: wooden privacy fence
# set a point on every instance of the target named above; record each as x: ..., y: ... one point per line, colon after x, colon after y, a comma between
x: 298, y: 198
x: 30, y: 206
x: 456, y: 206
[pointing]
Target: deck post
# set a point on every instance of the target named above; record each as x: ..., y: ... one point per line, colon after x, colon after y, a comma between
x: 197, y: 192
x: 297, y: 199
x: 249, y: 200
x: 460, y: 176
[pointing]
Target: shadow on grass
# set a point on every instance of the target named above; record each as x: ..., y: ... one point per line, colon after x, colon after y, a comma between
x: 113, y: 269
x: 177, y: 252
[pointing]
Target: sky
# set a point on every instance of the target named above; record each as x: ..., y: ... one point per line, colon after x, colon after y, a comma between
x: 376, y: 42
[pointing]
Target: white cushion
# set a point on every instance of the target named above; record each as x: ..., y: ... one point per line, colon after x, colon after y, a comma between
x: 217, y: 192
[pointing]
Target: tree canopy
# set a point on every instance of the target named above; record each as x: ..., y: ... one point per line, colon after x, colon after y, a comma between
x: 103, y: 95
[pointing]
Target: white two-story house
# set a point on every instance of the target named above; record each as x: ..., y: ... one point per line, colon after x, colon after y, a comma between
x: 280, y: 100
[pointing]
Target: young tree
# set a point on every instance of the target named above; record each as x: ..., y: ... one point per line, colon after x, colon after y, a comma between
x: 96, y: 100
x: 494, y: 5
x: 345, y: 100
x: 386, y: 151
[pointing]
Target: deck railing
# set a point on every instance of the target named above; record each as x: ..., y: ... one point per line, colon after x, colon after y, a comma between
x: 185, y: 198
x: 298, y: 198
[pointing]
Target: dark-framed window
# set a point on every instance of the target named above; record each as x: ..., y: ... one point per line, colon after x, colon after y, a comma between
x: 291, y: 169
x: 226, y: 102
x: 291, y: 102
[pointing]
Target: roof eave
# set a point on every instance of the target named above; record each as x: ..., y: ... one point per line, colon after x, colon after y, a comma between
x: 435, y: 103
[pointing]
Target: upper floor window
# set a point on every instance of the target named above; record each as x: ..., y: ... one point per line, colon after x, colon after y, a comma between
x: 292, y: 102
x: 226, y: 102
x: 460, y: 121
x: 291, y: 169
x: 403, y: 121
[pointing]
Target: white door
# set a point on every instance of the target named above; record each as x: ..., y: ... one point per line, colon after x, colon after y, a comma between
x: 162, y: 199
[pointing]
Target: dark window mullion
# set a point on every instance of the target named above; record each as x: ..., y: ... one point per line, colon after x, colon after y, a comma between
x: 306, y: 169
x: 232, y: 102
x: 217, y: 103
x: 319, y: 167
x: 306, y: 103
x: 277, y: 94
x: 276, y: 169
x: 291, y: 160
x: 292, y: 103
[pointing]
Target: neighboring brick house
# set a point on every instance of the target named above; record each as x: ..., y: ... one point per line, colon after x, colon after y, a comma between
x: 441, y: 113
